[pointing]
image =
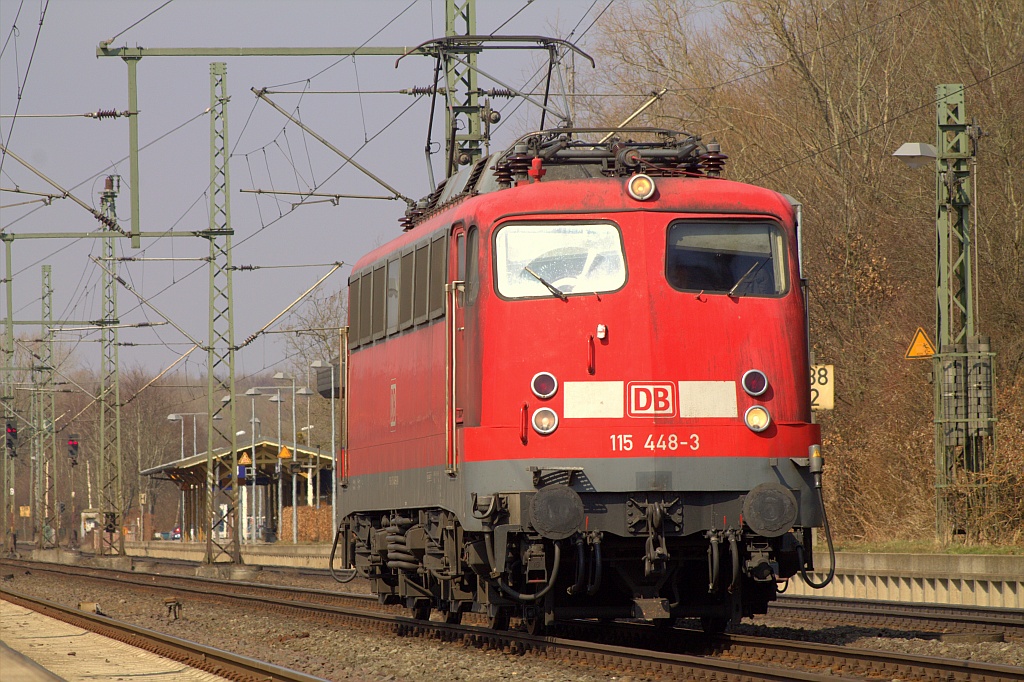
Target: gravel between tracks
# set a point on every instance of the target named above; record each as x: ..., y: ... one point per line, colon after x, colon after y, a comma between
x: 341, y: 653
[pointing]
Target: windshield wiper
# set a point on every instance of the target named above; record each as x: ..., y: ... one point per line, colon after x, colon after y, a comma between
x: 753, y: 269
x: 551, y: 287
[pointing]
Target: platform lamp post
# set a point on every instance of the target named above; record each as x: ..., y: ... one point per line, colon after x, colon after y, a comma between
x: 180, y: 416
x: 257, y: 433
x: 307, y: 393
x: 281, y: 376
x: 252, y: 393
x: 280, y: 484
x: 317, y: 364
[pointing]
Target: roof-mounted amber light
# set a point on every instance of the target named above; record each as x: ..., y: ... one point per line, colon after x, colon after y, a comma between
x: 640, y: 187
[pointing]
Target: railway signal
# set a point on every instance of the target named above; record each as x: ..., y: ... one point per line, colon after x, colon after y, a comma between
x: 12, y: 439
x: 73, y: 449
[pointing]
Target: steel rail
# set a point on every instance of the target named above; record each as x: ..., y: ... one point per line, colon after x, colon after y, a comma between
x: 955, y: 616
x: 194, y: 654
x: 658, y: 650
x: 598, y: 654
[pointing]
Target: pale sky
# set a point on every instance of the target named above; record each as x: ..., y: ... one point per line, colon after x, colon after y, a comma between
x: 64, y: 77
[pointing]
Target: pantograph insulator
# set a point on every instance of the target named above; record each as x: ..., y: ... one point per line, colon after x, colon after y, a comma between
x: 713, y: 161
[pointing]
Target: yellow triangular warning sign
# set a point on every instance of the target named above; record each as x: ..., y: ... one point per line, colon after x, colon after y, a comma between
x: 285, y: 453
x: 245, y: 459
x: 921, y: 348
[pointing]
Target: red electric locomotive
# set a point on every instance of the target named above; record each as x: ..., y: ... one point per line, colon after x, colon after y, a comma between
x: 577, y: 388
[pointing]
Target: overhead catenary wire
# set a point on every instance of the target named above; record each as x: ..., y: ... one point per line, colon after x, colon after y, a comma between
x: 284, y: 312
x: 890, y: 119
x: 101, y: 172
x: 238, y: 243
x: 122, y: 32
x: 592, y: 24
x: 361, y: 45
x: 23, y: 83
x: 13, y: 33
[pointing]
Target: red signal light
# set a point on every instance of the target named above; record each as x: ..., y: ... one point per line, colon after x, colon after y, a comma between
x: 754, y: 382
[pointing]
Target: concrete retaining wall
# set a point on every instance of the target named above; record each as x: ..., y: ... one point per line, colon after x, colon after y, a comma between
x: 279, y: 554
x: 968, y: 579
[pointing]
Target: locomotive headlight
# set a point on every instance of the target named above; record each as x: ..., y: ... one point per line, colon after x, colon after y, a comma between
x: 757, y: 418
x: 640, y: 187
x: 545, y: 421
x: 754, y: 382
x: 544, y: 385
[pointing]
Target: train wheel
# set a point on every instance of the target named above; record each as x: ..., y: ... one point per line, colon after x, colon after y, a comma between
x: 534, y: 624
x: 420, y: 611
x: 453, y: 617
x: 499, y: 620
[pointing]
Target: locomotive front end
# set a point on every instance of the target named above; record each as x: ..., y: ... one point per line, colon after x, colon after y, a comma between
x: 645, y: 446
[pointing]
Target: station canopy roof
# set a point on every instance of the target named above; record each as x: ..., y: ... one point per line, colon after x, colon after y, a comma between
x: 192, y: 469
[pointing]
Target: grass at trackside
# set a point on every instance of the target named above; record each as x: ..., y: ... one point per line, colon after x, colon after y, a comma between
x: 925, y: 547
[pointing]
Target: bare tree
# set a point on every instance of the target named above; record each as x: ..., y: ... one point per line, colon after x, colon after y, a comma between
x: 811, y: 98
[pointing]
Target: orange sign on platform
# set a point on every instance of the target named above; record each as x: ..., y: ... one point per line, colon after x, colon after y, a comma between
x: 921, y: 348
x: 245, y: 459
x: 285, y: 453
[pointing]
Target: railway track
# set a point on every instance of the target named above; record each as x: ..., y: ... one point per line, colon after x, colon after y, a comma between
x: 942, y: 621
x: 621, y: 646
x: 948, y: 621
x: 217, y: 661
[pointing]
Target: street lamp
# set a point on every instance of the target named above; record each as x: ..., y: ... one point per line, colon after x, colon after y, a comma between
x: 257, y: 433
x: 307, y: 394
x: 180, y: 417
x: 280, y: 484
x: 252, y: 393
x: 281, y: 376
x: 334, y: 449
x: 915, y: 154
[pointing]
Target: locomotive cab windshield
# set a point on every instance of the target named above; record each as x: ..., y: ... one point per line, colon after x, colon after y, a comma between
x: 733, y: 258
x: 536, y: 260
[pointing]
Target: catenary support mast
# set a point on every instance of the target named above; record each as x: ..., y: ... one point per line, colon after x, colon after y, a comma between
x: 111, y: 481
x: 963, y: 367
x: 47, y: 503
x: 221, y: 471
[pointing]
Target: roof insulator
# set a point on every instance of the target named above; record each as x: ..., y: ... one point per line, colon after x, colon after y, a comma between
x: 713, y: 161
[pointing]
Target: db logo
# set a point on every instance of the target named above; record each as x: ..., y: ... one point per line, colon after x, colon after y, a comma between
x: 651, y: 399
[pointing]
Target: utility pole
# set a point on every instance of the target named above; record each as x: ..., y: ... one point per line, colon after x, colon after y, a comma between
x: 221, y: 349
x: 464, y: 132
x: 963, y: 367
x: 48, y: 516
x: 8, y: 398
x: 111, y: 482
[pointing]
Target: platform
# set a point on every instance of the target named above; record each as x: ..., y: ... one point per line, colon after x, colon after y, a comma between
x: 959, y: 579
x: 37, y: 648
